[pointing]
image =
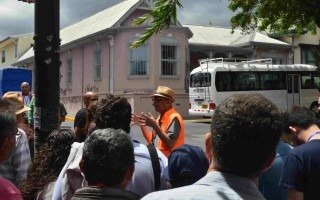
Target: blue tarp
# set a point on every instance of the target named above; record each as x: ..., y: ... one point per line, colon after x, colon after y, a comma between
x: 11, y: 79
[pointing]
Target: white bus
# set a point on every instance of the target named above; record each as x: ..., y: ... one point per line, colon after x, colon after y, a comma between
x: 285, y: 85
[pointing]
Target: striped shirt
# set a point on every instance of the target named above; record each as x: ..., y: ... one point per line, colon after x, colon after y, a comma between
x: 15, y: 168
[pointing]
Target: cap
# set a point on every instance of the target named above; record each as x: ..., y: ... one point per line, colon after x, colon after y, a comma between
x: 165, y: 92
x: 186, y: 165
x: 16, y: 99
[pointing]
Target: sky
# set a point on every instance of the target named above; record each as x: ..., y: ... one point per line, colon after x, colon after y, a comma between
x: 17, y: 17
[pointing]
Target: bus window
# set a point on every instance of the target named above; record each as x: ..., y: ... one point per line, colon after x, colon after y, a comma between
x: 309, y: 82
x: 294, y: 78
x: 272, y: 81
x: 223, y: 81
x: 245, y: 81
x: 200, y: 80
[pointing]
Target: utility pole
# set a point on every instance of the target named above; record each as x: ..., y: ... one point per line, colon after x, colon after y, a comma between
x: 47, y: 68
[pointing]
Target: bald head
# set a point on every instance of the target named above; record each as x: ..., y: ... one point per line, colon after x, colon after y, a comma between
x: 25, y: 88
x: 88, y: 97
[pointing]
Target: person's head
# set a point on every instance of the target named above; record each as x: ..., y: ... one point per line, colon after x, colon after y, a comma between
x: 18, y: 102
x: 108, y: 158
x: 113, y: 112
x: 48, y: 162
x: 162, y: 99
x: 245, y: 130
x: 62, y: 113
x: 89, y: 97
x: 25, y: 88
x: 92, y: 110
x: 186, y: 165
x: 296, y: 119
x: 8, y: 129
x: 59, y: 142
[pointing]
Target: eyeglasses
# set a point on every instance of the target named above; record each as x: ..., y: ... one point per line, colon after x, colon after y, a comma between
x: 157, y: 99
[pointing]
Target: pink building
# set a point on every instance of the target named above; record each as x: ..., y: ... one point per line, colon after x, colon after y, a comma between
x: 96, y: 56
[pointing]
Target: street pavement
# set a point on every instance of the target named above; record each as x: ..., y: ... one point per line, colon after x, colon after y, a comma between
x: 195, y: 130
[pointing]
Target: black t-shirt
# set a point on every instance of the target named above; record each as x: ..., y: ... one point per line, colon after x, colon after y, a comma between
x: 80, y: 119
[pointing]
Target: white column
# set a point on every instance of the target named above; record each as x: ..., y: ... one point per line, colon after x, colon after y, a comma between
x: 111, y: 63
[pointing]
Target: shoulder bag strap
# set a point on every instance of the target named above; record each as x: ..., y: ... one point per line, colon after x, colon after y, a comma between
x: 155, y: 166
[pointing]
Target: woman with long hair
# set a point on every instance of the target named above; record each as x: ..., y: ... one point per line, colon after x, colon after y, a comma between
x: 47, y: 164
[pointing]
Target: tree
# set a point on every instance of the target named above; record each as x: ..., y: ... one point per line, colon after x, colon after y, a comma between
x: 272, y: 15
x: 164, y: 12
x: 275, y: 16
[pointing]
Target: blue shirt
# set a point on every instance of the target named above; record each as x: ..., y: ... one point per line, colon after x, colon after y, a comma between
x: 269, y: 180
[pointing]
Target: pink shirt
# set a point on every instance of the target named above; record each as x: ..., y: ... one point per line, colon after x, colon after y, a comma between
x: 8, y: 190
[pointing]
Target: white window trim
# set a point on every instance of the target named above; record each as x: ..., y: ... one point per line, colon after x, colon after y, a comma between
x: 69, y: 68
x: 95, y: 52
x: 164, y: 40
x: 129, y: 75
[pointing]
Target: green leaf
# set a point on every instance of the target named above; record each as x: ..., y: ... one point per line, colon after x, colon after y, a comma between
x: 164, y: 12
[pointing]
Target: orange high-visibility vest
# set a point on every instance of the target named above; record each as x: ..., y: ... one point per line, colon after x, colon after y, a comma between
x: 165, y: 122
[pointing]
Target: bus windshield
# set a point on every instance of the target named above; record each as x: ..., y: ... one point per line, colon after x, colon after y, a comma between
x: 200, y: 80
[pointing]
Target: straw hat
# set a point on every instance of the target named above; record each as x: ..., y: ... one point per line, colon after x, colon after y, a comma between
x: 16, y: 99
x: 164, y: 92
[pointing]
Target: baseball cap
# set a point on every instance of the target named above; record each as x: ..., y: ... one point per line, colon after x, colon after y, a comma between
x: 186, y: 165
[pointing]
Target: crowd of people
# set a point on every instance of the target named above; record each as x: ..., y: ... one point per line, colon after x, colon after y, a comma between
x: 253, y: 151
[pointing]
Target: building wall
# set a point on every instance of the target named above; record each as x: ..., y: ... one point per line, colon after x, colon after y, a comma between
x: 308, y: 38
x: 9, y: 55
x: 23, y: 44
x: 138, y: 89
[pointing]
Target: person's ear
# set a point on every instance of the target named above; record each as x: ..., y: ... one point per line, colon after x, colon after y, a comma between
x: 129, y: 173
x: 127, y: 177
x: 293, y: 130
x: 208, y: 143
x: 81, y: 166
x: 269, y: 161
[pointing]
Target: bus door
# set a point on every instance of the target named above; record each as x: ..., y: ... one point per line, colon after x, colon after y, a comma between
x: 293, y: 90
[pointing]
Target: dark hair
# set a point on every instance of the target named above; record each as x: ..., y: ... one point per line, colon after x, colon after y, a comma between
x: 107, y: 156
x: 48, y: 162
x: 113, y: 112
x: 7, y: 118
x: 245, y: 129
x: 299, y: 116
